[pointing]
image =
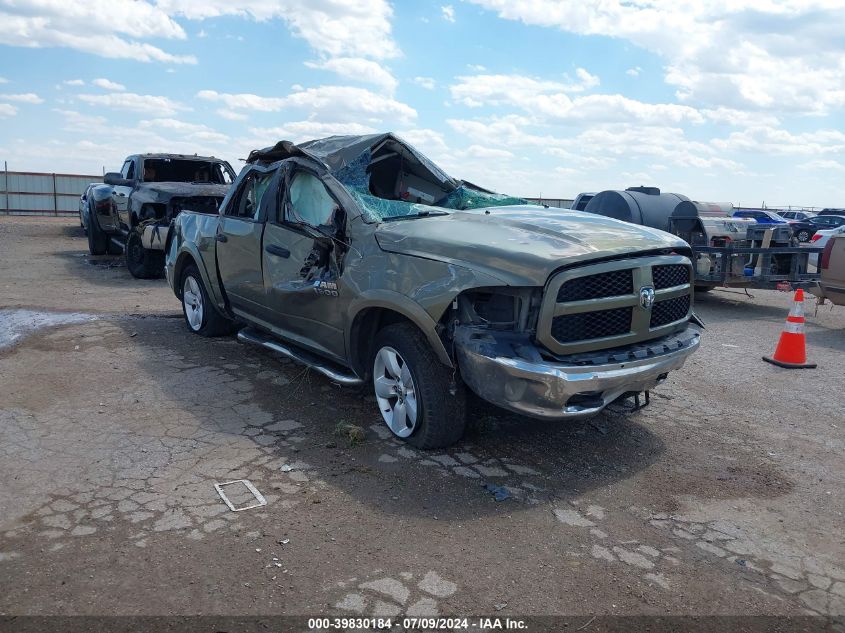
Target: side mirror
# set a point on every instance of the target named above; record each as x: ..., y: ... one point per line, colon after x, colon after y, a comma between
x: 117, y: 179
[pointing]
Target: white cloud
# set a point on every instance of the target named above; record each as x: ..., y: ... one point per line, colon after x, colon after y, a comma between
x: 477, y: 68
x: 109, y: 85
x: 598, y: 145
x: 448, y: 12
x: 549, y: 101
x: 425, y: 82
x: 244, y: 101
x: 231, y: 116
x: 77, y: 122
x: 766, y: 140
x: 300, y: 131
x: 634, y: 72
x: 822, y: 165
x: 7, y: 110
x: 488, y: 153
x: 358, y: 69
x: 73, y: 82
x: 430, y: 142
x: 350, y: 28
x: 193, y: 131
x: 28, y: 97
x: 767, y: 54
x: 109, y: 28
x: 586, y: 80
x: 340, y: 103
x: 519, y: 90
x: 3, y: 80
x: 742, y: 118
x: 149, y: 104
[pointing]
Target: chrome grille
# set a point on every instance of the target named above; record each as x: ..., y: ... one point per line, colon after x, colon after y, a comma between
x: 610, y: 284
x: 670, y: 276
x: 608, y: 305
x: 591, y: 325
x: 669, y: 311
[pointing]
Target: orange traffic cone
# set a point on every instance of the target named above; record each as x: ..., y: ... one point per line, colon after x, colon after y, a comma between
x: 791, y: 351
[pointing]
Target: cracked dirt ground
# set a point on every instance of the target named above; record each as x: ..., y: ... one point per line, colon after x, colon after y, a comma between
x: 725, y: 496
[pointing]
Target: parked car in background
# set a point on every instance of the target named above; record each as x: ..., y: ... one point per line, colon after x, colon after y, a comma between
x: 132, y: 210
x: 821, y: 237
x: 359, y: 257
x: 83, y: 206
x: 796, y: 215
x: 804, y: 230
x: 832, y: 212
x: 762, y: 217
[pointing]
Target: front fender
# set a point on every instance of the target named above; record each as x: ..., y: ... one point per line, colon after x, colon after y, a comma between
x: 401, y: 304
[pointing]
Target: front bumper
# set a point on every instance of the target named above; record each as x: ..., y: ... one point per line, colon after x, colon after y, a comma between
x: 508, y: 371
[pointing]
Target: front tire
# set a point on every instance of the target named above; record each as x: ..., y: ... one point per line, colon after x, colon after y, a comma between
x: 201, y: 316
x: 412, y: 389
x: 142, y: 263
x: 803, y: 235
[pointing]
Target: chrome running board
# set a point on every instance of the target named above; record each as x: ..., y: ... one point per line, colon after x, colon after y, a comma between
x: 249, y: 335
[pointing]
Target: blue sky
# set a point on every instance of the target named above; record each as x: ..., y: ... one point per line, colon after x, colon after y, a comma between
x: 718, y: 100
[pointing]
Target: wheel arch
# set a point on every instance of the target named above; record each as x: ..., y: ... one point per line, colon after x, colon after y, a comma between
x: 373, y: 313
x: 186, y: 257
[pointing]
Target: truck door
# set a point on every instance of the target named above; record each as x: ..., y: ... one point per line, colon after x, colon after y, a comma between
x: 239, y: 244
x: 302, y: 279
x: 120, y: 193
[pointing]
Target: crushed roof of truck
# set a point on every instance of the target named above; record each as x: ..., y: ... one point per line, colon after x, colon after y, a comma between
x: 365, y: 165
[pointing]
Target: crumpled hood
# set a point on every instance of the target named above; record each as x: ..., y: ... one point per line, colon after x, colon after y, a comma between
x: 521, y: 245
x: 166, y: 190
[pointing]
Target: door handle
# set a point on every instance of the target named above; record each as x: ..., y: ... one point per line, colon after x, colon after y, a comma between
x: 278, y: 251
x: 221, y: 237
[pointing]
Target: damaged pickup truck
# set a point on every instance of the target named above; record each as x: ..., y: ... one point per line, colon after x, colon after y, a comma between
x: 361, y: 258
x: 132, y: 210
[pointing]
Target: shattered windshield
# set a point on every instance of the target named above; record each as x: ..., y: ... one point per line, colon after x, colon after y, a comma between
x: 404, y: 192
x: 186, y: 170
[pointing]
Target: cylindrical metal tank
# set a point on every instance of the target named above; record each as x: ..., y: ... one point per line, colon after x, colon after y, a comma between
x: 639, y: 205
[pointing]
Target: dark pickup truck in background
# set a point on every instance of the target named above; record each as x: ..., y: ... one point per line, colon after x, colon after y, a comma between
x: 132, y: 209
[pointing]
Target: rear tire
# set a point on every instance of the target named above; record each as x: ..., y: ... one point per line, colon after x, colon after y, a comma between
x: 803, y: 235
x: 98, y: 241
x: 142, y: 263
x: 201, y: 316
x: 412, y: 389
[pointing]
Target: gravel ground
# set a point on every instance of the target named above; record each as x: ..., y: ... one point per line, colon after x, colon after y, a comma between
x: 724, y: 496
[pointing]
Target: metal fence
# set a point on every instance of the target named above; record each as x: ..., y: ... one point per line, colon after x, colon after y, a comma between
x: 35, y: 193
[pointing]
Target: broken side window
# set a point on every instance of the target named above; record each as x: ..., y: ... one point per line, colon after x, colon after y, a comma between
x: 249, y: 197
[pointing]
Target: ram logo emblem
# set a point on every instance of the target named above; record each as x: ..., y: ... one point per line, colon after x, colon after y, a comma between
x: 647, y: 297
